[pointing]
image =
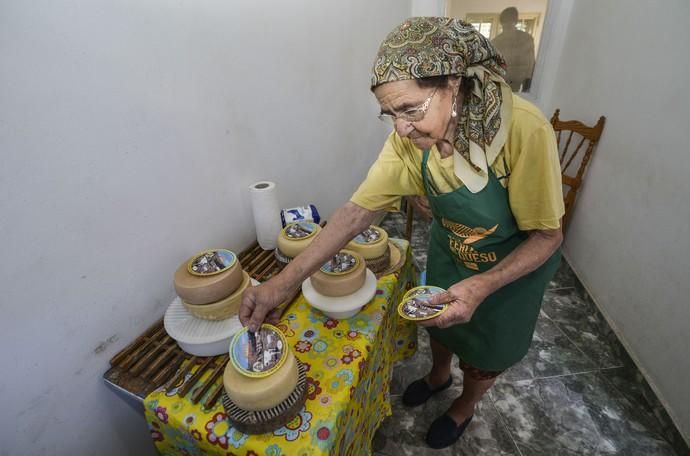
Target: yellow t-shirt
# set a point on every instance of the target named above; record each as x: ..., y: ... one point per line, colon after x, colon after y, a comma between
x: 532, y: 177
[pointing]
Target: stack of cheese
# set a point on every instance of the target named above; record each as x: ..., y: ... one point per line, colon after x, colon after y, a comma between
x: 341, y: 287
x: 264, y: 383
x: 372, y: 244
x: 293, y: 239
x: 342, y: 275
x: 211, y: 284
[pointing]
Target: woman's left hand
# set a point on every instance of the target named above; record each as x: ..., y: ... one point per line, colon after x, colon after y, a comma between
x: 463, y: 298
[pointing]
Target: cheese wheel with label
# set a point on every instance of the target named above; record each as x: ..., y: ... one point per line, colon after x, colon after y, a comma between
x: 196, y: 289
x: 295, y: 237
x: 370, y: 243
x: 340, y: 283
x: 222, y: 309
x: 254, y: 394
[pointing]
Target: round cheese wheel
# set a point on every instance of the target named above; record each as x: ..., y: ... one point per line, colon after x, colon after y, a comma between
x: 220, y: 310
x: 197, y: 289
x: 330, y: 283
x: 255, y: 394
x: 295, y: 237
x: 370, y: 243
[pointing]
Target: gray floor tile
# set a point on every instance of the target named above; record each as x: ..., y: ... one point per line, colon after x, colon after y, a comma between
x: 585, y: 326
x: 630, y: 382
x: 577, y: 414
x: 551, y: 354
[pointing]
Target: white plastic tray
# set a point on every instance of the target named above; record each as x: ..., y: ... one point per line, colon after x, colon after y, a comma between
x: 341, y: 307
x: 200, y: 337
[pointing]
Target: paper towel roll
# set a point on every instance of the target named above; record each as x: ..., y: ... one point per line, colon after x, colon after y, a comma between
x: 266, y: 213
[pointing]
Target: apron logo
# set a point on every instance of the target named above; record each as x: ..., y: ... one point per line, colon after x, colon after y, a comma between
x: 471, y: 265
x: 467, y: 234
x: 468, y: 255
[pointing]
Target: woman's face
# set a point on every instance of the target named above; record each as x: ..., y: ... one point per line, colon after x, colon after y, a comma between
x: 399, y: 96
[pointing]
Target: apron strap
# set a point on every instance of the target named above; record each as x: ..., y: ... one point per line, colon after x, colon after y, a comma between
x: 429, y: 186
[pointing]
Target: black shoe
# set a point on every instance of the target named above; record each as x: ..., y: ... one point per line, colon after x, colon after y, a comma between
x: 419, y: 391
x: 443, y: 432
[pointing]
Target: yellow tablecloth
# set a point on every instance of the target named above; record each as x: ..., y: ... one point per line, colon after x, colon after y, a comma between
x: 349, y: 366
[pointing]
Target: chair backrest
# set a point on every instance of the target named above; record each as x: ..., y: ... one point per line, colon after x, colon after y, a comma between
x: 576, y: 143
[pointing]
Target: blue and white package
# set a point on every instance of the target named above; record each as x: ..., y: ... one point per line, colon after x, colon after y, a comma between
x: 300, y: 214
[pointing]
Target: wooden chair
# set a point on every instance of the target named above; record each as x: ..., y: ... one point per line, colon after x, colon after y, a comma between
x: 574, y: 155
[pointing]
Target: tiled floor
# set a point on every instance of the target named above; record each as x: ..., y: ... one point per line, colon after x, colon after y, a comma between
x: 576, y: 392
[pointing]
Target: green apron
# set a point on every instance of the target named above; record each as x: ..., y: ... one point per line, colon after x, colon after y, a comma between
x: 470, y: 234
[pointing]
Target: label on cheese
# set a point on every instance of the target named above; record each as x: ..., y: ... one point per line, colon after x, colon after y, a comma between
x: 211, y: 262
x: 415, y: 305
x: 341, y: 263
x: 257, y: 394
x: 258, y: 354
x: 371, y: 243
x: 369, y: 236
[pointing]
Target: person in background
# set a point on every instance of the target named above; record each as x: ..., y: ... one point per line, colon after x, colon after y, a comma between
x: 517, y: 48
x: 487, y: 161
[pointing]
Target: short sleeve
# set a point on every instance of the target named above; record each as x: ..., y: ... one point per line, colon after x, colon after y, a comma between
x: 389, y: 178
x: 535, y: 189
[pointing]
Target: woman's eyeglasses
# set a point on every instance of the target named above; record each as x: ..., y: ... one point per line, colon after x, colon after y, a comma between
x: 411, y: 115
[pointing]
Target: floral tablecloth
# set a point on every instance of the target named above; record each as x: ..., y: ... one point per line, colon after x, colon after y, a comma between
x: 349, y: 365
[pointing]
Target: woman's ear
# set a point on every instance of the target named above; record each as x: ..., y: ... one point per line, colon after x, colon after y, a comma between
x: 454, y: 83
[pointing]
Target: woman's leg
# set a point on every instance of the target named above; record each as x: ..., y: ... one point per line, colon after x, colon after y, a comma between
x: 419, y: 391
x: 449, y: 427
x: 472, y: 391
x: 440, y: 370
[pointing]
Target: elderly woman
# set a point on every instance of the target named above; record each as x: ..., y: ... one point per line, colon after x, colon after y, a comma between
x: 487, y: 163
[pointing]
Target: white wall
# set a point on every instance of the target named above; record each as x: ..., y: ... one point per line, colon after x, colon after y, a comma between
x: 629, y: 241
x: 129, y: 132
x: 428, y: 7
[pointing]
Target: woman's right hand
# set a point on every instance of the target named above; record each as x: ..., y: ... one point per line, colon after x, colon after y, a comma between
x: 259, y: 304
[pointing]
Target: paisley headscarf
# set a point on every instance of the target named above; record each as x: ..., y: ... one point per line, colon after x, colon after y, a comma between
x: 423, y: 47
